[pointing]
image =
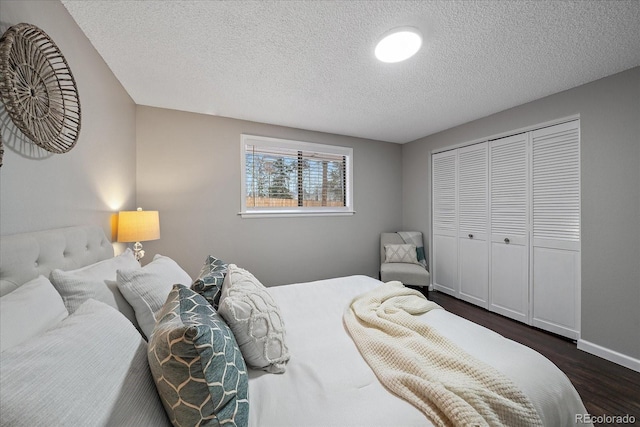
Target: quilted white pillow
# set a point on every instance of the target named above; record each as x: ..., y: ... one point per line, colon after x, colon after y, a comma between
x: 401, y: 253
x: 255, y: 319
x: 28, y: 311
x: 96, y: 281
x: 147, y: 288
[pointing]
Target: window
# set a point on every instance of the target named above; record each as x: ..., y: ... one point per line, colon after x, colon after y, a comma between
x: 282, y: 178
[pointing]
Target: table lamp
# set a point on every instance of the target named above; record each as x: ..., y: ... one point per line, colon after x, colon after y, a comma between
x: 138, y: 226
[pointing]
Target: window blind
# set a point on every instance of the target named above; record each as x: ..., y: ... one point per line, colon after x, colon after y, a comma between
x: 277, y: 177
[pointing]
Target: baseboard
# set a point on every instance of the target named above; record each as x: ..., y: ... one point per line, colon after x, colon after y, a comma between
x: 610, y: 355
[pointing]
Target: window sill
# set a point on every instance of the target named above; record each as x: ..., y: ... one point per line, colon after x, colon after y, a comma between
x: 293, y: 213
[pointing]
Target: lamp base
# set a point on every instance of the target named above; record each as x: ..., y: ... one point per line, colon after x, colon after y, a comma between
x: 137, y: 251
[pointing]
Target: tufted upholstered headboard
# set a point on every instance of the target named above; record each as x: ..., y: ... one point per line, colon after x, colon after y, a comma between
x: 25, y: 256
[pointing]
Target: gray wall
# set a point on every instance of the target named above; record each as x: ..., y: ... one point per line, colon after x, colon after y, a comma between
x: 188, y: 168
x: 39, y: 190
x: 610, y: 154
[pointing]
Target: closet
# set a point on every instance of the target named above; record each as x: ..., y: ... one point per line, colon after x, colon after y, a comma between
x: 506, y: 226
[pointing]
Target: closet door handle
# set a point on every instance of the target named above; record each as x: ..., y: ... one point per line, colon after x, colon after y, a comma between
x: 471, y: 236
x: 506, y: 240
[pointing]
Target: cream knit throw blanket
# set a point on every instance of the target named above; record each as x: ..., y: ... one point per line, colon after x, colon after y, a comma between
x: 419, y: 365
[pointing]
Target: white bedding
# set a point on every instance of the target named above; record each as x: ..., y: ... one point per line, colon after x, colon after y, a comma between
x: 328, y: 383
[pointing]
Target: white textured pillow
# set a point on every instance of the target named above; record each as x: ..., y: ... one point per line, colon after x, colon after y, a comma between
x: 96, y: 281
x: 401, y: 253
x: 147, y: 288
x: 89, y: 370
x: 255, y: 320
x: 28, y: 311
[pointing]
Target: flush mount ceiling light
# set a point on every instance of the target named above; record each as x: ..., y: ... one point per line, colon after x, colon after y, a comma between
x: 398, y: 44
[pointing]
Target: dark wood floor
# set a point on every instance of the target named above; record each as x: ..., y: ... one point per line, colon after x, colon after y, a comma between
x: 605, y: 387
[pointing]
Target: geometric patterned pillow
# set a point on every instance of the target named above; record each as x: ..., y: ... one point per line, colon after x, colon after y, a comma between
x: 196, y: 364
x: 209, y: 281
x: 255, y: 319
x: 401, y: 253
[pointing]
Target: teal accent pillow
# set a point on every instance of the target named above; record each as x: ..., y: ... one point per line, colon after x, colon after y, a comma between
x: 196, y: 364
x: 209, y: 281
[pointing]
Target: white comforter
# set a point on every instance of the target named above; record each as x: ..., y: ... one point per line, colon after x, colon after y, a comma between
x: 328, y: 383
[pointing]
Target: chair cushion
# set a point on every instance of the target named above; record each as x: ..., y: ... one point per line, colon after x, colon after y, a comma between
x: 408, y: 274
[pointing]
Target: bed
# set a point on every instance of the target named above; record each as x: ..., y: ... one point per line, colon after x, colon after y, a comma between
x: 95, y: 367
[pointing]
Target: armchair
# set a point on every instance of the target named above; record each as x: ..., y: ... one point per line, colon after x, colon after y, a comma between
x: 409, y: 273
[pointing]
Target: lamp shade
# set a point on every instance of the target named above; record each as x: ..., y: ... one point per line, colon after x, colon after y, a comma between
x: 138, y: 226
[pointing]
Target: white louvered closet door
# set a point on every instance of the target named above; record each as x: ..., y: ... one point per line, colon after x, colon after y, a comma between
x: 509, y: 210
x: 472, y: 224
x: 445, y: 222
x: 556, y: 228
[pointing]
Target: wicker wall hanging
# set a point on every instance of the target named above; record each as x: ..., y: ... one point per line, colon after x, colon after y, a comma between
x: 38, y: 89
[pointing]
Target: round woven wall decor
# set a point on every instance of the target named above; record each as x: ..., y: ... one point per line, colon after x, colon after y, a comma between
x: 38, y: 89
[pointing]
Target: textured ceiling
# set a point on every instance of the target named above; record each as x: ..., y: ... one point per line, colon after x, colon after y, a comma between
x: 310, y: 64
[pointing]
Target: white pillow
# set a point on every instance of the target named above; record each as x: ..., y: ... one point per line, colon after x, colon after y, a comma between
x: 28, y: 311
x: 147, y: 288
x: 255, y: 319
x: 401, y: 253
x: 89, y: 370
x: 95, y: 281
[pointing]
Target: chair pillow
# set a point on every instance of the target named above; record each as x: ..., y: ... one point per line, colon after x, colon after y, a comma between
x: 196, y: 363
x: 255, y: 319
x: 401, y: 253
x: 96, y: 281
x: 89, y: 370
x: 28, y: 311
x: 147, y: 288
x: 209, y: 281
